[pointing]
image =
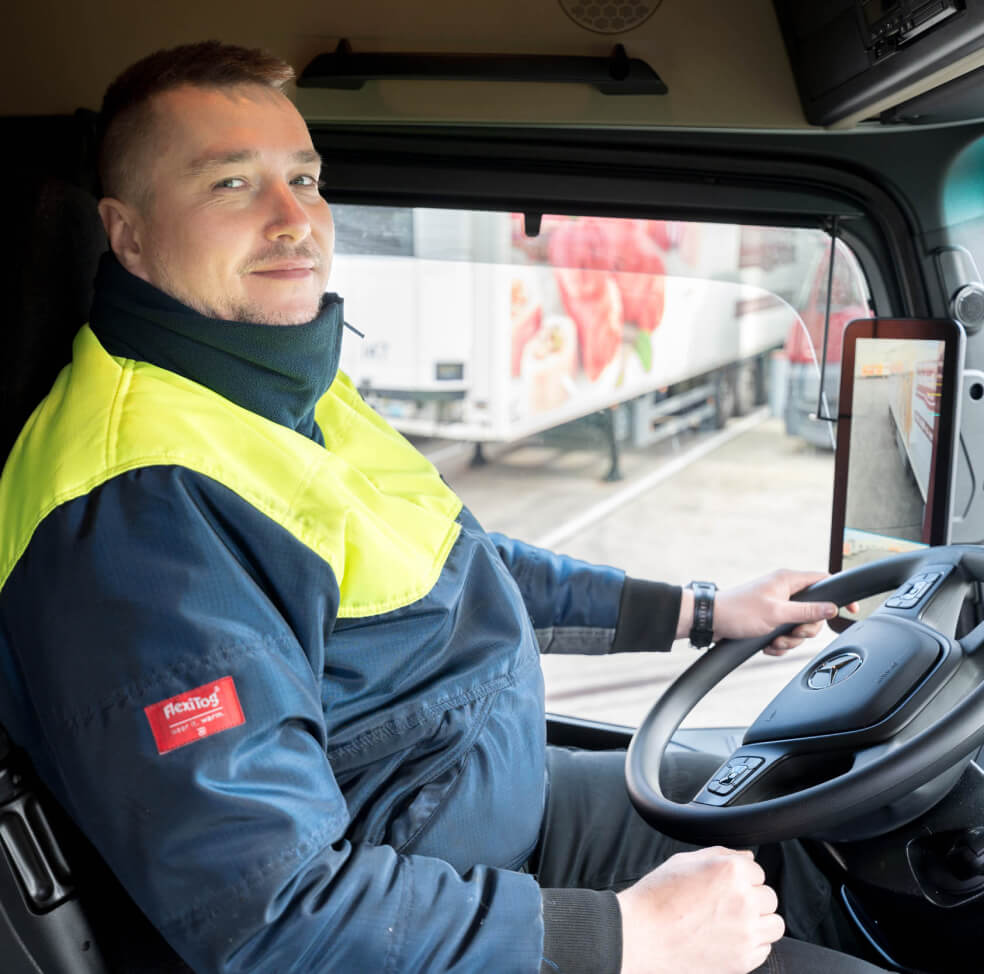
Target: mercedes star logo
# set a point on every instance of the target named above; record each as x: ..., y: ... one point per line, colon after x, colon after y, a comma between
x: 834, y: 669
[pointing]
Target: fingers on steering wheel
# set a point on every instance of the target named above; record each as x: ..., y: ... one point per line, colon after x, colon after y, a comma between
x: 807, y: 630
x: 774, y: 651
x: 782, y: 644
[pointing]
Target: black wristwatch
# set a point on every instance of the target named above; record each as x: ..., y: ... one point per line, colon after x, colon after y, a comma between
x: 702, y: 630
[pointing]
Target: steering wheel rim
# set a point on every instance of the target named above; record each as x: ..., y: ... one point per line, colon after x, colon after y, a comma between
x: 894, y: 765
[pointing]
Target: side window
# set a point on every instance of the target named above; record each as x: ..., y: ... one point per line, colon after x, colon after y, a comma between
x: 379, y: 230
x: 849, y: 293
x: 689, y: 346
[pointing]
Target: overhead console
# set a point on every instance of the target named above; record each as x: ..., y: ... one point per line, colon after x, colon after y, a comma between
x: 854, y: 59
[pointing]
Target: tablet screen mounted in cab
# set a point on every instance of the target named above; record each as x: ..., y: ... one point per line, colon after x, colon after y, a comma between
x: 896, y: 434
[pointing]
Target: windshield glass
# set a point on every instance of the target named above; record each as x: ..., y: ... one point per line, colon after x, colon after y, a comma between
x: 635, y: 392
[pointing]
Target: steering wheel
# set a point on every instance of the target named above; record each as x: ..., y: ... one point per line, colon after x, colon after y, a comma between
x: 874, y: 731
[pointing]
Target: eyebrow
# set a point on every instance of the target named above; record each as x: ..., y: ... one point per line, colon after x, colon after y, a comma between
x: 216, y: 160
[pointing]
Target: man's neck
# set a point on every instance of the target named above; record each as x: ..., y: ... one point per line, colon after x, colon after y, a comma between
x: 279, y: 373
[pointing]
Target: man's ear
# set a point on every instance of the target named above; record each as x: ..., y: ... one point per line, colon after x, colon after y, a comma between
x: 124, y: 230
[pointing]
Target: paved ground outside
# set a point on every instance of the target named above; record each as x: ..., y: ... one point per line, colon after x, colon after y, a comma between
x: 754, y: 499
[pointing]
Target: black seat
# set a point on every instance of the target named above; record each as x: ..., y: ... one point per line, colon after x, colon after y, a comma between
x: 54, y: 242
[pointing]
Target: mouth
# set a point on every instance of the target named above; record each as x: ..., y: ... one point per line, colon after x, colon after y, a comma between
x: 286, y: 271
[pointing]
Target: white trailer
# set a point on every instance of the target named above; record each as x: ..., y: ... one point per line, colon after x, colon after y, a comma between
x: 475, y: 331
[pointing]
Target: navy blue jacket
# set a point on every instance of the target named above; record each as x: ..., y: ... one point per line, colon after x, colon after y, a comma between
x: 295, y: 756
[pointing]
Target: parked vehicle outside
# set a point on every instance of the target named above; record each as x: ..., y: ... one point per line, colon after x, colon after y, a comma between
x: 804, y: 347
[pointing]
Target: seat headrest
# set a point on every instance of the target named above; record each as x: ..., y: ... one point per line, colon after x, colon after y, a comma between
x: 55, y: 238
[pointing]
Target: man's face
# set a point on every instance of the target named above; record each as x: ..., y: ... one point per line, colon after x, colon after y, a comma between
x: 233, y: 224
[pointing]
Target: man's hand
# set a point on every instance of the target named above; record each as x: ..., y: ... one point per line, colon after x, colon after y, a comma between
x: 758, y: 607
x: 704, y: 912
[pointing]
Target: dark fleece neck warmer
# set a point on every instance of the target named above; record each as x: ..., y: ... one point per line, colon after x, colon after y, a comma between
x: 277, y: 371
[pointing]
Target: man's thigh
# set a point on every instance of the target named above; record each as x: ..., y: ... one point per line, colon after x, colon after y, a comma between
x: 591, y: 835
x: 593, y: 838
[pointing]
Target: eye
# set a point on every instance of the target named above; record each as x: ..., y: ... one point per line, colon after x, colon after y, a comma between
x: 230, y: 182
x: 307, y: 181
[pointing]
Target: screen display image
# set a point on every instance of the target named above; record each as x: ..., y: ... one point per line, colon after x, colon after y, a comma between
x: 895, y: 420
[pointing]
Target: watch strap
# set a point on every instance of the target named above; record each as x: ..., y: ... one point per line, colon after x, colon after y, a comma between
x: 702, y: 630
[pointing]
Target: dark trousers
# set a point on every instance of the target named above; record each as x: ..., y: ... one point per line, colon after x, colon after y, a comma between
x: 593, y: 838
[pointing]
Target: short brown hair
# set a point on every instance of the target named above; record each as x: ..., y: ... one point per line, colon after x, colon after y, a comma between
x: 126, y: 116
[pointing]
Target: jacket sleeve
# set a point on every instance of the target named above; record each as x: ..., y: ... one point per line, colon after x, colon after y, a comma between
x: 577, y: 607
x: 233, y: 844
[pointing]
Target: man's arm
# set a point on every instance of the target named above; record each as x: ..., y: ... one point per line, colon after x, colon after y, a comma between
x: 577, y: 607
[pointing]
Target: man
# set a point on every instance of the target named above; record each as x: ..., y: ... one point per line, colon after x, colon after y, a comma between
x: 283, y: 681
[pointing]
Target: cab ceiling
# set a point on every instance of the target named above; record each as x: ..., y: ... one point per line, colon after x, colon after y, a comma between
x: 724, y: 63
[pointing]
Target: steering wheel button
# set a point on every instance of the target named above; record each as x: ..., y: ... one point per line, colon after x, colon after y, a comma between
x: 733, y: 774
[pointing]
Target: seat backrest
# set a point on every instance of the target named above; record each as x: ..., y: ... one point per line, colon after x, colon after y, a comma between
x: 53, y: 243
x: 42, y: 925
x: 61, y: 910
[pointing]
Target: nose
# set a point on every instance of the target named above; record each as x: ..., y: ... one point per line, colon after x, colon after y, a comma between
x: 288, y: 220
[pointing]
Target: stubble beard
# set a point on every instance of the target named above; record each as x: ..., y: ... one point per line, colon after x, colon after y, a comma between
x: 255, y: 315
x: 251, y: 312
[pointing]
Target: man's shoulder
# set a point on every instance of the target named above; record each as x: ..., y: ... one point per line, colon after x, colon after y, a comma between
x: 107, y: 417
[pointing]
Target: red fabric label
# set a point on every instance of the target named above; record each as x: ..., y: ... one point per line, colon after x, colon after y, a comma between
x: 195, y: 714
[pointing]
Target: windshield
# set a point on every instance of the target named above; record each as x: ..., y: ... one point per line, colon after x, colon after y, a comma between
x: 635, y: 392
